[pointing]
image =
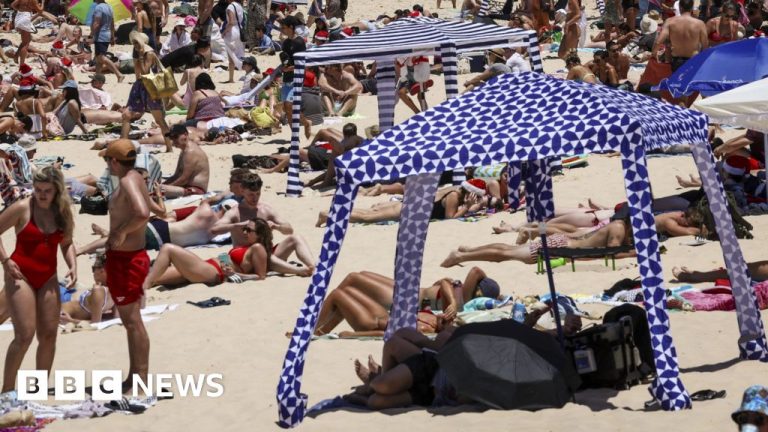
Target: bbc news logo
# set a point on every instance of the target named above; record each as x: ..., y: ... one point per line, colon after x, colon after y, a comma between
x: 69, y: 385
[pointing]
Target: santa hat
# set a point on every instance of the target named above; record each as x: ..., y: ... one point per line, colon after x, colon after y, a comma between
x: 25, y: 70
x: 347, y: 32
x: 310, y: 79
x: 66, y: 61
x: 322, y: 35
x: 475, y: 186
x: 58, y: 45
x: 414, y: 14
x: 27, y: 83
x: 736, y: 165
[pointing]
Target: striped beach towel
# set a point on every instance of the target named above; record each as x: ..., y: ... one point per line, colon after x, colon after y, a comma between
x: 108, y: 183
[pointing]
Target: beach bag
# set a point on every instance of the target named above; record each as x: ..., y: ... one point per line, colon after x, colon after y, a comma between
x: 421, y: 69
x: 53, y: 126
x: 162, y: 84
x: 262, y: 117
x: 95, y: 205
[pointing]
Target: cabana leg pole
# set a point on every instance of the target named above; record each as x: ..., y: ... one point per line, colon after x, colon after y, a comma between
x: 291, y: 402
x: 411, y: 237
x: 539, y: 204
x: 294, y: 183
x: 667, y: 388
x: 752, y: 343
x: 451, y: 74
x: 515, y: 173
x: 385, y: 85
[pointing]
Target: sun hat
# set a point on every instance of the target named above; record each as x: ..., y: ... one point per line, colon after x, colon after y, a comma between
x: 755, y: 399
x: 489, y: 288
x: 648, y: 25
x: 475, y: 186
x: 139, y: 38
x: 5, y: 148
x: 180, y: 22
x: 27, y: 142
x: 334, y: 24
x: 69, y: 84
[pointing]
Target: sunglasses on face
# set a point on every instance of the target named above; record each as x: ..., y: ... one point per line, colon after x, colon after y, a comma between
x: 247, y: 230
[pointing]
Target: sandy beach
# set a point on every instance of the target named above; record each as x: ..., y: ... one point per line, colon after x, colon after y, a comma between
x: 246, y: 341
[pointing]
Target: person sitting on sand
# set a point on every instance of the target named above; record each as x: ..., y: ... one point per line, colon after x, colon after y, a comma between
x: 175, y: 265
x: 577, y: 72
x: 340, y: 90
x: 450, y: 203
x: 364, y: 299
x: 616, y: 233
x: 192, y: 171
x: 496, y: 66
x: 758, y: 271
x: 94, y: 303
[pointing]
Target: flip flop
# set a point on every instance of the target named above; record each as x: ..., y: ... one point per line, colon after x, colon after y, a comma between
x: 705, y: 395
x: 211, y: 302
x: 124, y: 405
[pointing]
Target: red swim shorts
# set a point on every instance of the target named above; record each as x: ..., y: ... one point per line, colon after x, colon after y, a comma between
x: 126, y: 271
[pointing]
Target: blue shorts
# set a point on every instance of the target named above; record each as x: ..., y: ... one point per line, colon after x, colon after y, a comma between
x: 286, y: 92
x: 100, y: 48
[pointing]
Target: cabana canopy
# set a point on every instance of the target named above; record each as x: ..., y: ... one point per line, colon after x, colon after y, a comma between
x: 406, y: 37
x: 519, y: 118
x: 745, y: 106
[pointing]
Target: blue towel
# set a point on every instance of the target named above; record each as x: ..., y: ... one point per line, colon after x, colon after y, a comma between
x: 66, y: 293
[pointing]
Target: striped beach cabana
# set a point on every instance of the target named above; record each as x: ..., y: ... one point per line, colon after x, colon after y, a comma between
x: 403, y: 38
x: 526, y: 117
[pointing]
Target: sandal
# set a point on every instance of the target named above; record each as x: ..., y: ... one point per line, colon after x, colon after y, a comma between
x: 211, y: 302
x: 705, y: 395
x: 124, y: 405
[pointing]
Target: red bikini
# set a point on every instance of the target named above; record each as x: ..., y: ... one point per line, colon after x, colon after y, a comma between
x: 36, y: 253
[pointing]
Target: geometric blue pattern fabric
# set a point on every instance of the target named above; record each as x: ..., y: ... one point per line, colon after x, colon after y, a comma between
x: 525, y: 118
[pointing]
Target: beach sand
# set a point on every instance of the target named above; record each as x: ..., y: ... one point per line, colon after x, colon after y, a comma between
x: 246, y: 341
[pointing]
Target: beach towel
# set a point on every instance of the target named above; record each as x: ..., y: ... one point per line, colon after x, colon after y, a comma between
x: 107, y: 183
x: 490, y: 171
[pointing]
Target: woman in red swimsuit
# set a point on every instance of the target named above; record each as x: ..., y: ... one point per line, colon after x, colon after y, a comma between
x: 175, y: 265
x: 43, y: 223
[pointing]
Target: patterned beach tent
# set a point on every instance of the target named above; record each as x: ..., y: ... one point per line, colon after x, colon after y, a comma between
x: 403, y: 38
x: 524, y: 117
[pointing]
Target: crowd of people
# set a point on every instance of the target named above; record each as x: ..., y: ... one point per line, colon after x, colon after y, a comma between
x: 49, y: 103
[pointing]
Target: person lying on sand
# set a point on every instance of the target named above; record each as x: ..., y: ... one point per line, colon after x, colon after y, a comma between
x: 93, y: 304
x: 616, y: 233
x: 758, y: 271
x: 450, y: 203
x: 364, y: 299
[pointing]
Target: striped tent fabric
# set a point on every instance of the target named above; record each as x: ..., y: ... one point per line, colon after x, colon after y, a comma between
x: 526, y: 117
x: 403, y: 38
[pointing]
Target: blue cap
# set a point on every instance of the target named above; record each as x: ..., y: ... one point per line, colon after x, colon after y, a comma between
x: 755, y: 399
x: 489, y: 287
x: 69, y: 84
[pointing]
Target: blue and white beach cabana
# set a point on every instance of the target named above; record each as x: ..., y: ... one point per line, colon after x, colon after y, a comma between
x: 403, y: 38
x: 515, y: 118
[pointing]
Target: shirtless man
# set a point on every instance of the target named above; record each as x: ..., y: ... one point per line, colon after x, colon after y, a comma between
x: 192, y: 172
x: 616, y: 233
x: 251, y: 207
x: 687, y: 36
x: 340, y: 89
x: 571, y: 29
x: 199, y: 228
x: 603, y: 70
x: 349, y: 140
x: 127, y: 260
x: 618, y: 60
x: 204, y: 22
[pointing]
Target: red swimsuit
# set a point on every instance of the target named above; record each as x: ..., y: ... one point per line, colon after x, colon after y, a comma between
x: 35, y: 253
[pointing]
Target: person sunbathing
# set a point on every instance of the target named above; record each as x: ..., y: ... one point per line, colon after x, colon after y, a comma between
x: 175, y: 265
x: 363, y: 299
x: 450, y: 203
x: 758, y: 271
x: 94, y: 303
x: 616, y: 233
x: 199, y: 228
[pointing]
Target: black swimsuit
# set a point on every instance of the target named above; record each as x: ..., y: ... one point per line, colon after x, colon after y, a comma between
x: 438, y: 209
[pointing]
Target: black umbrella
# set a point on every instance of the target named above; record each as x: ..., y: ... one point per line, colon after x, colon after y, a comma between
x: 508, y: 365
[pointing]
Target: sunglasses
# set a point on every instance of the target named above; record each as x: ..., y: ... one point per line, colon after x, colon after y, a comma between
x: 247, y: 230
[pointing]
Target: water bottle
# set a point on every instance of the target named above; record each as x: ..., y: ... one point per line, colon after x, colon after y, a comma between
x: 518, y: 312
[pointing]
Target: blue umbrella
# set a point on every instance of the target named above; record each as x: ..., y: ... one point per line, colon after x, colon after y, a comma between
x: 720, y: 68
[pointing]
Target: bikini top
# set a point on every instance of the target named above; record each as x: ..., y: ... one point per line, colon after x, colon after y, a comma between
x: 238, y: 254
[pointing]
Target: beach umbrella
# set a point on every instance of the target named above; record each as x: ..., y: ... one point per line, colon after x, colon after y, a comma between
x: 720, y: 68
x: 508, y: 365
x: 745, y: 106
x: 83, y: 9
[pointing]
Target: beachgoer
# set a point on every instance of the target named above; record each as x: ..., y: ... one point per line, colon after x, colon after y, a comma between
x: 752, y: 415
x: 340, y: 90
x: 43, y: 224
x: 94, y: 303
x: 571, y: 29
x: 127, y: 259
x: 232, y: 38
x: 103, y: 36
x: 687, y: 36
x: 192, y: 171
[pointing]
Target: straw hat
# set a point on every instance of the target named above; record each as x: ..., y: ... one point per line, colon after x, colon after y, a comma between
x: 27, y: 142
x: 140, y: 39
x: 334, y: 24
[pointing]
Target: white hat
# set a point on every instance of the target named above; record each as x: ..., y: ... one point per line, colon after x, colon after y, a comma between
x: 27, y: 142
x: 5, y: 148
x: 648, y: 25
x: 334, y: 24
x: 180, y: 22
